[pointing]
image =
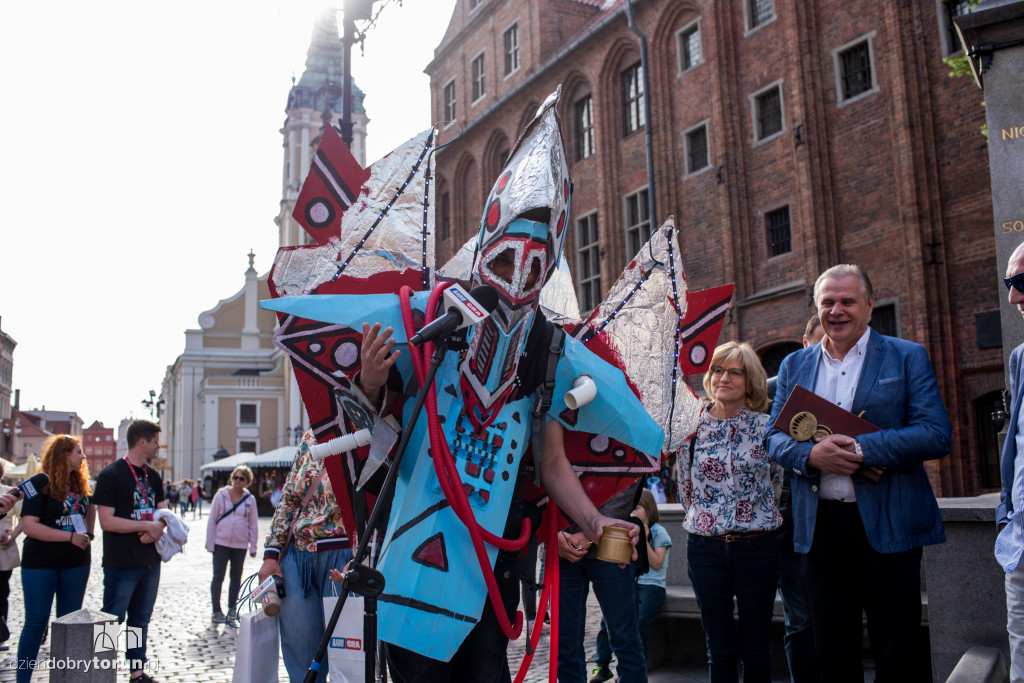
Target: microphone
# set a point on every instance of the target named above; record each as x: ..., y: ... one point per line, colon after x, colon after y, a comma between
x: 341, y: 444
x: 31, y: 487
x: 464, y: 309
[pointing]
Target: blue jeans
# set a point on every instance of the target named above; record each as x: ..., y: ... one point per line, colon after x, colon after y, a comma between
x: 39, y: 587
x: 301, y: 619
x: 132, y: 592
x: 799, y: 636
x: 615, y: 593
x: 648, y: 602
x: 749, y: 571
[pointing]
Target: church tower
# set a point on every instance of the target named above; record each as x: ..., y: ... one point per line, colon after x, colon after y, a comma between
x: 313, y: 102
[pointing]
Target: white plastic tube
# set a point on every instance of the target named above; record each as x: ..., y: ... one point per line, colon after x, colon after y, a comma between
x: 583, y: 392
x: 347, y: 442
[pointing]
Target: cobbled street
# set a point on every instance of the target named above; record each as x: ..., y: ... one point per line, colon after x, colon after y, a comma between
x: 183, y: 644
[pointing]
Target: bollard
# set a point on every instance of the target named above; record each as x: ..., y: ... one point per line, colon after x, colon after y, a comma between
x: 84, y: 647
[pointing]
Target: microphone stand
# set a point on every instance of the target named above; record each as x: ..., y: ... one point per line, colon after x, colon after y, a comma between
x: 367, y: 581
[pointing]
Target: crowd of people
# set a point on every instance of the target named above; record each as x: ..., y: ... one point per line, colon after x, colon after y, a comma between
x: 836, y: 521
x: 187, y: 496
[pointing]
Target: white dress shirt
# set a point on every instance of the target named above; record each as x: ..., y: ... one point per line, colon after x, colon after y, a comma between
x: 837, y: 382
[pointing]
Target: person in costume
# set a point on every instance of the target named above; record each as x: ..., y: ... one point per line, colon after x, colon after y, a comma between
x: 454, y: 534
x: 58, y: 526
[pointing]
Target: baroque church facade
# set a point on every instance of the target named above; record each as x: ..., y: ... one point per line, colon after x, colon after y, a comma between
x: 231, y: 390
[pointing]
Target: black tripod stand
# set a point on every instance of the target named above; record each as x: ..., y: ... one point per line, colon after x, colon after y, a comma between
x: 364, y: 580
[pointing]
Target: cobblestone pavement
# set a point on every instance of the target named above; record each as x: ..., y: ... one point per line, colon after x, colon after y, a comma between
x: 183, y: 644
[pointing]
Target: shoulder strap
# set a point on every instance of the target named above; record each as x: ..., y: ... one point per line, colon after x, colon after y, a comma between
x: 240, y: 501
x: 544, y: 393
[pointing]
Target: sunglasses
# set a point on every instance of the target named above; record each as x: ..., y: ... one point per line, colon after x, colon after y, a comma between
x: 1016, y: 281
x: 239, y: 479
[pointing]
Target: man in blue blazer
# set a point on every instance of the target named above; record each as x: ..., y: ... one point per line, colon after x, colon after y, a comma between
x: 1010, y: 541
x: 863, y: 538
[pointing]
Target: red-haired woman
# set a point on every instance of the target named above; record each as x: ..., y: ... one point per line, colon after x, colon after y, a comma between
x: 58, y: 526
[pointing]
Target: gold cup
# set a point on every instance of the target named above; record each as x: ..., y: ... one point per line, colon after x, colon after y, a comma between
x: 615, y: 546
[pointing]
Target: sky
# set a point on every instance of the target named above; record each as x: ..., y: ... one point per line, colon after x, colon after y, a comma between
x: 142, y: 161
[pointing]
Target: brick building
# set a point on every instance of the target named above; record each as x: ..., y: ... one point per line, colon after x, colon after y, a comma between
x: 787, y: 136
x: 99, y: 446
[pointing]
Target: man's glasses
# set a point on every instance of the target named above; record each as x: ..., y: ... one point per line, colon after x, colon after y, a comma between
x: 735, y: 373
x: 1015, y: 281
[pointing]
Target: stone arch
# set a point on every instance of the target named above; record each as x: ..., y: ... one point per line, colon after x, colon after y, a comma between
x: 468, y: 202
x: 443, y: 215
x: 622, y: 54
x: 495, y: 155
x: 576, y: 87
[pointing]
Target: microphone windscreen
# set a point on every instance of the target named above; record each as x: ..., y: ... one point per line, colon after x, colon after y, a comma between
x: 486, y: 296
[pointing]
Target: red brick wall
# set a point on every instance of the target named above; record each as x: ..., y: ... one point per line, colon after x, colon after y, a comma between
x: 896, y: 180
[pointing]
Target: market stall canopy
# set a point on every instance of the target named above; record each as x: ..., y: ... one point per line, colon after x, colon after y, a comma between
x: 228, y: 463
x: 279, y: 457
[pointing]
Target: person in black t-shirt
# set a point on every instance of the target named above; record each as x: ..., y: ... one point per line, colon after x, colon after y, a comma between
x: 58, y: 524
x: 128, y: 492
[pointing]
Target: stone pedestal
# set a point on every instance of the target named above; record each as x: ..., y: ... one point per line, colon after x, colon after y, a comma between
x: 84, y: 647
x: 966, y: 599
x: 991, y: 32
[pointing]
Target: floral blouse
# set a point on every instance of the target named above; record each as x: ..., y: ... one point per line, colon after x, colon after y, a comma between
x: 321, y: 519
x: 731, y: 485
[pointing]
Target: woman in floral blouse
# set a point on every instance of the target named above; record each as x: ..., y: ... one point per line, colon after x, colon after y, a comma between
x: 729, y: 488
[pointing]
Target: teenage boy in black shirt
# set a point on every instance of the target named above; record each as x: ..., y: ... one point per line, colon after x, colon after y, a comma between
x: 128, y: 492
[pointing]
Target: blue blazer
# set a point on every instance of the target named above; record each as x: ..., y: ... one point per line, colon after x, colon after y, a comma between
x: 1006, y: 464
x: 898, y: 393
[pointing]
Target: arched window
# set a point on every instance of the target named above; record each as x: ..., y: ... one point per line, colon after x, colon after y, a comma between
x: 772, y: 357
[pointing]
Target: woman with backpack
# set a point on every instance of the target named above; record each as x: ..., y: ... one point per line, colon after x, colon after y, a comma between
x: 231, y: 529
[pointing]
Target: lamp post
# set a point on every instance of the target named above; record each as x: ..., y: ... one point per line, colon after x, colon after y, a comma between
x: 153, y: 405
x: 11, y: 429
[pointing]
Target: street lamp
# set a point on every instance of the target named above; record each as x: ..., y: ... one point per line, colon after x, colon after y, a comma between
x: 11, y: 428
x: 153, y: 405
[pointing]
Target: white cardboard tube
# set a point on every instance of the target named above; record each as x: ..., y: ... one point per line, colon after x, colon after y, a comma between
x: 347, y: 442
x: 583, y: 392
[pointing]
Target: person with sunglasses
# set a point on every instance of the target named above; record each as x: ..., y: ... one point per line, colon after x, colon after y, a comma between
x: 232, y: 527
x: 1010, y: 541
x: 730, y: 492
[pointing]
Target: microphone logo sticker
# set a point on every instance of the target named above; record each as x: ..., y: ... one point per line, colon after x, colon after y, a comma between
x: 468, y: 302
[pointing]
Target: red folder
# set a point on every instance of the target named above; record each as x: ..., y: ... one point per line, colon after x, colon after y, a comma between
x: 827, y: 414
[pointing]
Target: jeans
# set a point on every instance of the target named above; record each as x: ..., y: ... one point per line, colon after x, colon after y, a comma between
x: 648, y: 602
x: 301, y: 619
x: 799, y: 636
x: 39, y: 587
x: 1015, y: 622
x: 221, y: 555
x: 5, y: 591
x: 482, y: 656
x: 132, y: 592
x: 749, y: 571
x: 615, y: 593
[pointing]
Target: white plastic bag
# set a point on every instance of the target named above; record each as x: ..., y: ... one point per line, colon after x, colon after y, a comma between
x: 345, y: 655
x: 257, y: 655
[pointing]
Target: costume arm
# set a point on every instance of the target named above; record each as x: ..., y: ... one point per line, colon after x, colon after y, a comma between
x: 927, y: 434
x: 783, y: 448
x: 563, y: 485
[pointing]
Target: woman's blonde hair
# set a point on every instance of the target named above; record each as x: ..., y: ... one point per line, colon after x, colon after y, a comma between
x: 55, y: 462
x: 757, y: 378
x: 244, y: 470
